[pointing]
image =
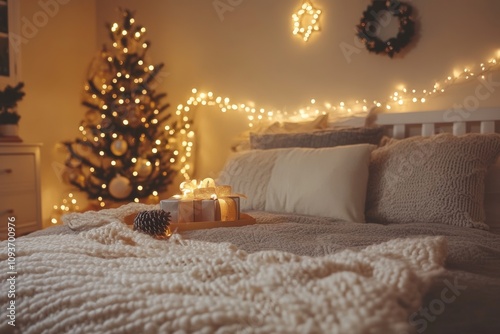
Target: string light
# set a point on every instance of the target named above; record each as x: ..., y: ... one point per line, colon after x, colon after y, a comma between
x: 305, y: 20
x: 395, y: 101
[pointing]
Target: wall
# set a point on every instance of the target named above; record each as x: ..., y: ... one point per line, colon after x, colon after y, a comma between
x: 59, y: 39
x: 249, y: 54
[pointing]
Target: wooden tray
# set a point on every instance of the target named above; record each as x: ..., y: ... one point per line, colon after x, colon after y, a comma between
x: 244, y: 220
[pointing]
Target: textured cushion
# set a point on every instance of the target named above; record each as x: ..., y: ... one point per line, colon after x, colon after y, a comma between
x: 317, y: 139
x: 243, y: 141
x: 248, y: 173
x: 438, y: 179
x: 492, y: 195
x: 327, y: 182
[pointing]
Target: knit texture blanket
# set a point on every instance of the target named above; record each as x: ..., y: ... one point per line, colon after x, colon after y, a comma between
x: 110, y: 279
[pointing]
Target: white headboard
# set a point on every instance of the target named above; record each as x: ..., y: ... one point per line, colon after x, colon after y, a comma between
x: 427, y: 123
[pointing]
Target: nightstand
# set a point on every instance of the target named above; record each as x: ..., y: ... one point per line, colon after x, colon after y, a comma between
x: 20, y: 193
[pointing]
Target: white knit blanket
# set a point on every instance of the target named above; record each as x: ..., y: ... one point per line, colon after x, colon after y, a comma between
x: 110, y: 279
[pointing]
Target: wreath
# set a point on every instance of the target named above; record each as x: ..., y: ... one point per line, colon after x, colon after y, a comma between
x: 370, y: 24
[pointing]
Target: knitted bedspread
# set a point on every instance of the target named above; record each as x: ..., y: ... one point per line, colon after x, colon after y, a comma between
x: 110, y: 279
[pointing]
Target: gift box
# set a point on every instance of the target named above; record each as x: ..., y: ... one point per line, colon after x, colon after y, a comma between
x: 203, y: 201
x: 184, y: 210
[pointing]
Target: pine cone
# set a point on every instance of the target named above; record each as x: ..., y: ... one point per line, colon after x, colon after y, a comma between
x: 154, y: 222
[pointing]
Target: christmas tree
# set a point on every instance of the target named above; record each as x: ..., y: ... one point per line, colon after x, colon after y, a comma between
x: 127, y: 149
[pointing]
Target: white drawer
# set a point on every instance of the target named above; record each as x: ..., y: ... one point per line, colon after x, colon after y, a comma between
x: 17, y: 172
x: 22, y: 206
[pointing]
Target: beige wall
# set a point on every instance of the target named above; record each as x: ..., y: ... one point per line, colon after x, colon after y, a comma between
x: 59, y: 41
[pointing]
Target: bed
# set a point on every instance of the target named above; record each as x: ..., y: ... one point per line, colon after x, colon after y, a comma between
x: 406, y: 240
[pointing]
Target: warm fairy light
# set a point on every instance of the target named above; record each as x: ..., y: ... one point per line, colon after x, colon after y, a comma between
x: 305, y: 20
x: 397, y: 99
x: 69, y: 204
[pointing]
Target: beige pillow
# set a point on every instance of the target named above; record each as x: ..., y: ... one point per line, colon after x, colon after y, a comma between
x: 327, y: 182
x: 437, y: 179
x: 248, y: 173
x: 492, y: 195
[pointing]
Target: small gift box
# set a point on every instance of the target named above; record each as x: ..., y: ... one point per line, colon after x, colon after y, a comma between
x: 201, y: 202
x: 198, y: 210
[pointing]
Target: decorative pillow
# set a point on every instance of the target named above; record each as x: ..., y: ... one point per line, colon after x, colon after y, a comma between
x: 328, y: 182
x: 492, y: 196
x: 243, y: 141
x: 317, y: 139
x: 437, y: 179
x: 248, y: 173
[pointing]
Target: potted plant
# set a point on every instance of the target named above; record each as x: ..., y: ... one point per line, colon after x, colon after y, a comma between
x: 9, y: 118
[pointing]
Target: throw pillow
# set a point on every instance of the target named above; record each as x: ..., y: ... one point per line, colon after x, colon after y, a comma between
x: 437, y: 179
x: 328, y: 182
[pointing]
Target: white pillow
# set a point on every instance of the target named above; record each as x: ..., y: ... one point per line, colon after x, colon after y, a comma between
x: 327, y: 182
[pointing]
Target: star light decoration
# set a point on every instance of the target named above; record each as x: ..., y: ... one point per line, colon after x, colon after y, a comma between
x: 305, y: 20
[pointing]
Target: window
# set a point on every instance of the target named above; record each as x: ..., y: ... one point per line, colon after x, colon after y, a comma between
x: 9, y: 52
